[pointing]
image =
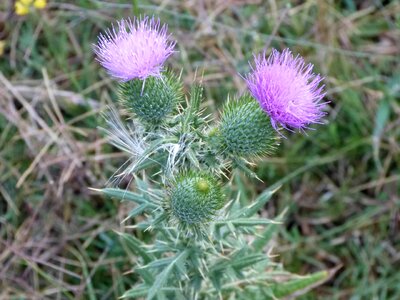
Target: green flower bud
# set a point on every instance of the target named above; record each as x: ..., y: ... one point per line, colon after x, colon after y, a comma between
x: 195, y: 199
x: 151, y: 100
x: 245, y: 129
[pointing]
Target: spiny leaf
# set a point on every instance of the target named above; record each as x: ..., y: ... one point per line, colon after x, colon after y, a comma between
x: 381, y: 118
x: 283, y: 289
x: 159, y: 263
x: 259, y: 203
x: 142, y: 290
x: 191, y: 112
x: 247, y: 261
x: 137, y: 246
x: 127, y: 195
x: 153, y: 149
x: 266, y: 235
x: 137, y: 291
x: 136, y: 211
x: 147, y: 277
x: 246, y: 222
x: 193, y: 159
x: 242, y: 166
x: 162, y: 278
x: 239, y: 261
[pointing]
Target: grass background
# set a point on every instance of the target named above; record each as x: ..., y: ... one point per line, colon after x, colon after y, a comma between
x: 58, y: 240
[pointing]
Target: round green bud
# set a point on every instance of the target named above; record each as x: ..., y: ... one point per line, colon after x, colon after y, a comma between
x: 153, y: 99
x: 245, y: 129
x: 202, y: 186
x: 195, y: 198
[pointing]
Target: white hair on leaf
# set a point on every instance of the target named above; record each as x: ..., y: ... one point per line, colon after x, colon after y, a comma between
x: 130, y: 139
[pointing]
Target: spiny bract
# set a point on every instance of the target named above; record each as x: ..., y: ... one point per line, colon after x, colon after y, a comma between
x: 195, y: 198
x: 245, y: 130
x: 152, y: 100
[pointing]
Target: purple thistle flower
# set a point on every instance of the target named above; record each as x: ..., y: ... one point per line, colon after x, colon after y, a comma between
x: 287, y: 89
x: 137, y: 50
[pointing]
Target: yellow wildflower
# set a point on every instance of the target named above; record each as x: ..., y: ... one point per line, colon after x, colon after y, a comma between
x: 21, y: 9
x: 40, y: 4
x: 25, y: 2
x: 2, y: 46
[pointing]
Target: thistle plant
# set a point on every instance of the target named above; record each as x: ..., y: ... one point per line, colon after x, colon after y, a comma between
x: 205, y: 243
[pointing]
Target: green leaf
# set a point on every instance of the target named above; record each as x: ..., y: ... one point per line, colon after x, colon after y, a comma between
x: 247, y: 261
x: 241, y: 165
x: 159, y: 263
x: 137, y: 291
x: 283, y: 289
x: 136, y: 211
x: 215, y: 279
x: 381, y: 118
x: 142, y: 290
x: 382, y: 115
x: 246, y: 222
x: 259, y: 203
x: 151, y: 150
x: 127, y: 195
x: 161, y: 218
x: 147, y: 277
x: 193, y: 159
x: 239, y: 260
x: 265, y: 236
x: 163, y: 277
x: 191, y: 112
x: 137, y: 246
x: 154, y: 160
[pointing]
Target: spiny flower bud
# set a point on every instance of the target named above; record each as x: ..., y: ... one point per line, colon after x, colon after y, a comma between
x: 151, y: 100
x: 195, y: 199
x: 245, y: 130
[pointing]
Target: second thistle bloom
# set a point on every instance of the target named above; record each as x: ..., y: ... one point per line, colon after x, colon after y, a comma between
x: 287, y: 90
x: 137, y: 49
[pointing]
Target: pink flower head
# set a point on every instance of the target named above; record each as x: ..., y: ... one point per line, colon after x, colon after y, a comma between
x: 138, y: 49
x: 287, y: 89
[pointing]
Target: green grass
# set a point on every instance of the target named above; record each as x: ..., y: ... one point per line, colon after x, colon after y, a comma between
x: 57, y: 239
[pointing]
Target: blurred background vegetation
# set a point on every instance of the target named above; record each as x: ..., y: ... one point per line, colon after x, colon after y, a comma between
x: 58, y: 240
